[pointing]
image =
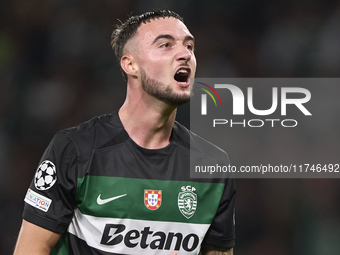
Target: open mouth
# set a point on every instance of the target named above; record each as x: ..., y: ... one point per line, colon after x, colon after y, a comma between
x: 182, y: 75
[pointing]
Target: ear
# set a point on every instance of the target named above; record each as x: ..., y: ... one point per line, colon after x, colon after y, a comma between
x: 129, y: 65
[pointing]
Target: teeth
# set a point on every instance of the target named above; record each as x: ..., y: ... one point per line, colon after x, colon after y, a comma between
x: 180, y: 71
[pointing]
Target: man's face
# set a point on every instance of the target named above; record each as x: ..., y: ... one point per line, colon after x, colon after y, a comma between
x: 165, y: 55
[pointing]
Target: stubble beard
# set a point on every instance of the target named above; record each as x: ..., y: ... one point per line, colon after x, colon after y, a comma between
x: 162, y: 91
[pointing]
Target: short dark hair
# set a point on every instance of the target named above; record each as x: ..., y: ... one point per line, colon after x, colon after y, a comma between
x: 127, y: 29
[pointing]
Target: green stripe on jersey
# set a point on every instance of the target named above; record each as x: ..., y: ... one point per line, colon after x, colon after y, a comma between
x: 117, y: 197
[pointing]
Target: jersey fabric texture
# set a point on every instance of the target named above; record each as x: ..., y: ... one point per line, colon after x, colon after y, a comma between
x: 111, y: 196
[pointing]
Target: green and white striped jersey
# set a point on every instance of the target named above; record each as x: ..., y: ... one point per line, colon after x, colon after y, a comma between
x: 107, y: 195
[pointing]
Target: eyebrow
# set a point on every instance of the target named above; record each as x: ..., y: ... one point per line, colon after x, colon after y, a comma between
x: 170, y: 37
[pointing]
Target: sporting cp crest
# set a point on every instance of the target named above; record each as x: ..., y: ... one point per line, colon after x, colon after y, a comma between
x: 187, y: 201
x: 152, y: 199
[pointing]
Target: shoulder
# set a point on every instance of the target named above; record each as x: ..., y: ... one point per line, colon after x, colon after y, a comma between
x: 91, y: 134
x: 198, y: 145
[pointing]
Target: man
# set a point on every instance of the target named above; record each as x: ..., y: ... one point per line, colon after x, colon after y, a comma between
x: 120, y: 183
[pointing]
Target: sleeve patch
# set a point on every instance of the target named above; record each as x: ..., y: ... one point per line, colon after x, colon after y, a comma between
x: 38, y: 201
x: 45, y: 176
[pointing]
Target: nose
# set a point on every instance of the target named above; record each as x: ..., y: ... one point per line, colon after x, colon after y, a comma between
x: 184, y: 54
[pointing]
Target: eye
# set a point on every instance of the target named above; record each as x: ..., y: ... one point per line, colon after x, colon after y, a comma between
x: 165, y: 45
x: 190, y: 47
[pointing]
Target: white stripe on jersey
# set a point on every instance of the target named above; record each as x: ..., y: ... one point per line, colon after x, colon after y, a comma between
x: 143, y: 237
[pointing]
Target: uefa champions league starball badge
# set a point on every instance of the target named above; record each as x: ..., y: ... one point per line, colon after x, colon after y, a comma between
x: 46, y: 175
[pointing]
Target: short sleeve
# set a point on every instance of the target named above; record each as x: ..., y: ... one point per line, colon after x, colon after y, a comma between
x: 50, y: 199
x: 222, y: 230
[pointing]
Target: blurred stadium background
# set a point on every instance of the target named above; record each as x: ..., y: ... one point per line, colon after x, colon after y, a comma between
x: 57, y: 70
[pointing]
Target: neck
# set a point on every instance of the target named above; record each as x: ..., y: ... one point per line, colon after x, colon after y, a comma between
x: 149, y: 124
